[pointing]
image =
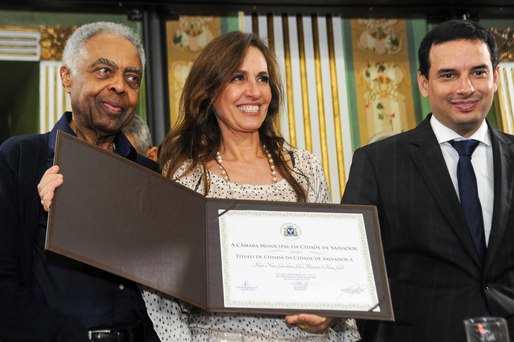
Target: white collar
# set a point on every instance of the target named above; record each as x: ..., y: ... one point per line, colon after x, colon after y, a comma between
x: 445, y: 134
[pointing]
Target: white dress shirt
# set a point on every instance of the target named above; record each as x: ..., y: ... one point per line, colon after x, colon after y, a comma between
x: 482, y: 160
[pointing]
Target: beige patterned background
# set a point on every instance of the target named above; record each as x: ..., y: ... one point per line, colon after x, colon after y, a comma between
x: 185, y: 37
x: 383, y: 80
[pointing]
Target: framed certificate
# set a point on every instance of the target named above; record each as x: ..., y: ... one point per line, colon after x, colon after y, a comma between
x: 222, y: 255
x: 299, y: 260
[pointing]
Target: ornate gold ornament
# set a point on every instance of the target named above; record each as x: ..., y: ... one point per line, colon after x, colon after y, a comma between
x: 505, y: 40
x: 52, y: 41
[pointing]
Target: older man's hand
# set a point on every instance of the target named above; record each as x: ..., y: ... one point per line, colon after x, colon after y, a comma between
x: 51, y: 180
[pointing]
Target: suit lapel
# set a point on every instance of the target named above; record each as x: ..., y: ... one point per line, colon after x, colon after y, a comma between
x: 503, y: 159
x: 426, y: 155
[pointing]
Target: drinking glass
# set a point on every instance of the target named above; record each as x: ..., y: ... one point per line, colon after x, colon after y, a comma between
x: 486, y: 329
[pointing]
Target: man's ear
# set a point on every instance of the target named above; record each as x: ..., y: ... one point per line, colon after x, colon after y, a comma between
x: 66, y: 78
x: 496, y: 76
x: 152, y: 153
x: 422, y: 84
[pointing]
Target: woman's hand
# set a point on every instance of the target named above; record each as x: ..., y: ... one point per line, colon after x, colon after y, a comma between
x: 51, y: 180
x: 310, y: 323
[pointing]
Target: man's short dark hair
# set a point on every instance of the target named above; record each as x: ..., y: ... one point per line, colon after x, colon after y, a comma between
x: 455, y: 30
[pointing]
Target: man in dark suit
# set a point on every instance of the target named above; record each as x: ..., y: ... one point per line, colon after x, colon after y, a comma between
x: 45, y: 296
x: 441, y: 268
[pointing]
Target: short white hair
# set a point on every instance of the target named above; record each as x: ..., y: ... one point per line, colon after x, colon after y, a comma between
x: 139, y: 130
x: 87, y: 31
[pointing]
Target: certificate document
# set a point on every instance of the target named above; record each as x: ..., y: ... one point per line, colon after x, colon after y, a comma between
x: 296, y: 260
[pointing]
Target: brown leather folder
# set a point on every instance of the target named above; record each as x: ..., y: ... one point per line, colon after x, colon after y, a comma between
x: 120, y: 217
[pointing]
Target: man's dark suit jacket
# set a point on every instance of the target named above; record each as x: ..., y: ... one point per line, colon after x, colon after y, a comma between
x: 435, y: 275
x: 24, y: 315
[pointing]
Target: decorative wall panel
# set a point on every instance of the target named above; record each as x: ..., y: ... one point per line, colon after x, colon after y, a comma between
x: 383, y: 81
x: 315, y: 115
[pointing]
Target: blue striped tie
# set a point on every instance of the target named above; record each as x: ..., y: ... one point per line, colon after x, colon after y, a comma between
x: 469, y: 194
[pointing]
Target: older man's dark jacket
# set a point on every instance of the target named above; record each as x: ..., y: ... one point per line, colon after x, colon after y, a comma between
x: 32, y: 308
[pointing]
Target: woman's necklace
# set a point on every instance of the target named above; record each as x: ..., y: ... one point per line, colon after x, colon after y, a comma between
x: 224, y: 172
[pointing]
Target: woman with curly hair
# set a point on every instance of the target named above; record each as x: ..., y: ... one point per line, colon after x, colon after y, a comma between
x: 226, y: 145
